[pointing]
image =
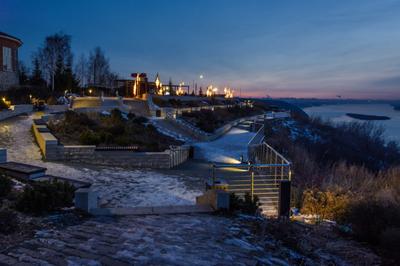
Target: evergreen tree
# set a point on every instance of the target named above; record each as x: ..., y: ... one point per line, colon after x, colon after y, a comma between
x: 36, y: 78
x: 22, y: 73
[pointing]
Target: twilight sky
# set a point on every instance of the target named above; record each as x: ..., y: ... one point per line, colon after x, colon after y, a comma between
x: 282, y: 48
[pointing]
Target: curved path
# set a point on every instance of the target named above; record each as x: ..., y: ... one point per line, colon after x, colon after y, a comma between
x: 226, y: 149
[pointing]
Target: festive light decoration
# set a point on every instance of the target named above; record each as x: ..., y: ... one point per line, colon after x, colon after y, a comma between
x: 228, y: 93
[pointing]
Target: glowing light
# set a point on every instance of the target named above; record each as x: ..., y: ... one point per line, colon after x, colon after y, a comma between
x: 228, y: 93
x: 180, y: 91
x: 209, y: 91
x: 90, y: 91
x: 201, y: 76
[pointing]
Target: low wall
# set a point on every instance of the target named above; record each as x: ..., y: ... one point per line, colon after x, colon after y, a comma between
x: 170, y: 112
x: 15, y: 110
x: 204, y: 136
x: 57, y: 108
x: 52, y: 150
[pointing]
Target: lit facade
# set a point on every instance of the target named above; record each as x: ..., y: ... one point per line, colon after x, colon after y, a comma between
x: 8, y: 61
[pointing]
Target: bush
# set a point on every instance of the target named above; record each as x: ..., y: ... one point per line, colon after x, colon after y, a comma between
x: 246, y: 205
x: 325, y: 204
x: 116, y: 115
x: 371, y: 218
x: 89, y: 137
x: 390, y: 238
x: 3, y: 105
x: 42, y: 197
x: 140, y: 120
x: 5, y: 185
x: 8, y: 222
x: 131, y: 116
x: 52, y: 100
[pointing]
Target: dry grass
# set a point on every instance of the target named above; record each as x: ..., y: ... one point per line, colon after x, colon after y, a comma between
x: 345, y: 173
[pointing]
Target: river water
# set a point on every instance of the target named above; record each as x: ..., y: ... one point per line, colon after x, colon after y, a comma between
x: 117, y: 187
x: 337, y: 113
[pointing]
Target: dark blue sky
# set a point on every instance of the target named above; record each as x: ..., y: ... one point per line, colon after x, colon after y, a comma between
x: 307, y: 48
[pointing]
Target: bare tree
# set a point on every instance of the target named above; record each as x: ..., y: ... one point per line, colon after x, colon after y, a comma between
x: 81, y: 70
x: 55, y: 51
x: 99, y: 68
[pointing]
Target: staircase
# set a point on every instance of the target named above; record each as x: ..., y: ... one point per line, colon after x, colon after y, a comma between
x: 261, y: 180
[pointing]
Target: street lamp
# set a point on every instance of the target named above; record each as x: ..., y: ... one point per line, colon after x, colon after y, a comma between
x: 90, y: 91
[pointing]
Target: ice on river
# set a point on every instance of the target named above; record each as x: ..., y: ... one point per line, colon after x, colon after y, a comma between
x: 117, y: 187
x: 227, y: 149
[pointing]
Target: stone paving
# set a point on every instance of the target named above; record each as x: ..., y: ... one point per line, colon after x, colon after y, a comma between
x: 151, y: 240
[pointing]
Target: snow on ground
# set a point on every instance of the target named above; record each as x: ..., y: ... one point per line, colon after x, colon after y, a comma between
x: 117, y: 187
x: 226, y: 149
x: 154, y: 240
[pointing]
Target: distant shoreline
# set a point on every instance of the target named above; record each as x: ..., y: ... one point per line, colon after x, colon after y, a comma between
x: 367, y: 117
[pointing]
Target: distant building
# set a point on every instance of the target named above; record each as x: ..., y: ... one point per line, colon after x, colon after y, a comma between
x: 8, y: 60
x: 141, y: 86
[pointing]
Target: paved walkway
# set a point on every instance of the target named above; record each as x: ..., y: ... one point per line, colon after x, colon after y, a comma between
x: 226, y: 149
x: 151, y: 240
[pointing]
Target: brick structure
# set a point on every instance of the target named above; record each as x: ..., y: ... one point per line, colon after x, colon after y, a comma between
x: 8, y: 60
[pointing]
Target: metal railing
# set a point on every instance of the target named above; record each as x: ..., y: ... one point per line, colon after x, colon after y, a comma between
x: 260, y: 177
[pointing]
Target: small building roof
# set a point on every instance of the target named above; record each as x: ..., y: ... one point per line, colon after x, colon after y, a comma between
x: 8, y: 36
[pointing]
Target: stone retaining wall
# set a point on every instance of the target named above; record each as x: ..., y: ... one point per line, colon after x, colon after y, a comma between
x: 15, y: 110
x: 54, y: 151
x: 170, y: 112
x: 204, y: 136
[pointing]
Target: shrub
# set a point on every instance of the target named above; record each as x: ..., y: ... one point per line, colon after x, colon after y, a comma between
x: 42, y: 197
x: 140, y: 120
x: 89, y: 137
x: 5, y: 185
x: 77, y: 119
x: 116, y: 115
x: 122, y: 140
x: 250, y: 205
x: 116, y: 129
x: 246, y: 205
x: 371, y: 218
x: 390, y: 238
x: 52, y: 100
x: 3, y: 105
x: 325, y: 204
x: 131, y: 116
x: 8, y: 222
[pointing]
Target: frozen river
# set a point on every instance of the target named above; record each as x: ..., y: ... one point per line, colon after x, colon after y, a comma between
x: 337, y: 113
x: 117, y: 187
